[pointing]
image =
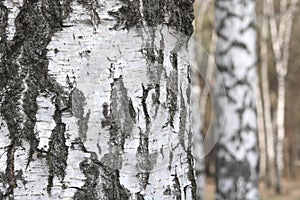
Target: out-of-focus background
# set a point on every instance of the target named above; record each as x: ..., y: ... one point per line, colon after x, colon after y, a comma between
x: 267, y: 94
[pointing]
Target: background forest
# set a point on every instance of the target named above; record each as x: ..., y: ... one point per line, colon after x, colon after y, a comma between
x: 267, y: 83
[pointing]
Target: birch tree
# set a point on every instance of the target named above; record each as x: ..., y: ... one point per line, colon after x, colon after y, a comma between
x: 267, y: 119
x: 237, y: 153
x: 280, y: 34
x: 96, y: 100
x: 261, y: 134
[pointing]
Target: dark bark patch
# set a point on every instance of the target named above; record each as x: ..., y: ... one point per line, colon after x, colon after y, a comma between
x: 175, y: 13
x: 58, y: 151
x: 182, y: 124
x: 144, y: 104
x: 172, y: 95
x: 121, y: 120
x: 3, y: 25
x: 89, y: 190
x: 128, y: 15
x: 176, y: 188
x: 78, y: 101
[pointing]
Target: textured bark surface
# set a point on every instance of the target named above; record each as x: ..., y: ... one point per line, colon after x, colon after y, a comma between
x: 237, y: 152
x: 96, y: 100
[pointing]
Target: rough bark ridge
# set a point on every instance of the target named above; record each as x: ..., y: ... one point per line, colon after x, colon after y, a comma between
x: 90, y: 110
x: 237, y: 153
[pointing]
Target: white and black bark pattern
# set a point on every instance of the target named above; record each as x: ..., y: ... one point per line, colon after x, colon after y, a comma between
x: 96, y: 100
x: 237, y: 153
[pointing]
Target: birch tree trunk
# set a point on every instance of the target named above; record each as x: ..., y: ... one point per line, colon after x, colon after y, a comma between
x: 270, y: 156
x: 262, y: 137
x: 96, y: 100
x: 237, y: 152
x: 280, y: 34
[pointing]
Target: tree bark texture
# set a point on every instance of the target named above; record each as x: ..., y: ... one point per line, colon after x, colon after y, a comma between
x: 96, y: 100
x: 237, y: 153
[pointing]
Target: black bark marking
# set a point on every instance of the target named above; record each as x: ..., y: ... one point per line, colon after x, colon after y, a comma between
x: 144, y: 104
x: 58, y: 151
x: 132, y: 112
x: 128, y: 15
x: 175, y: 13
x: 113, y: 189
x: 94, y: 189
x: 168, y: 191
x: 174, y: 60
x: 107, y: 118
x: 221, y: 35
x: 189, y: 90
x: 155, y: 58
x: 101, y: 180
x: 172, y: 88
x: 191, y: 173
x: 250, y: 26
x: 3, y: 25
x: 7, y: 179
x: 177, y: 188
x: 91, y: 188
x: 235, y: 44
x: 182, y: 124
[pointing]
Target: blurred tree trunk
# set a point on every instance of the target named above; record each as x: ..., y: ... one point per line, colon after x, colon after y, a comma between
x: 270, y: 156
x: 205, y: 61
x: 96, y: 100
x: 237, y: 151
x: 280, y: 34
x: 261, y: 134
x: 204, y: 108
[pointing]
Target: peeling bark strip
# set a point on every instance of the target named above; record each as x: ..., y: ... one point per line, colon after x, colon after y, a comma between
x: 89, y: 110
x: 237, y: 152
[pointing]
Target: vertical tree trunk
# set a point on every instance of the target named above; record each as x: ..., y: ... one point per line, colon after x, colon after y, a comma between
x: 96, y: 100
x: 237, y: 153
x: 261, y: 134
x: 270, y: 156
x: 280, y: 131
x: 280, y: 35
x: 208, y: 76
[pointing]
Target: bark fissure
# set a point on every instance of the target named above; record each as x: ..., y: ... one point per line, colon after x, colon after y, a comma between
x: 58, y: 151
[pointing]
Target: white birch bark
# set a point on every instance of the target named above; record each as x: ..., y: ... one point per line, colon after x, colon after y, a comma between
x: 95, y: 107
x: 280, y: 35
x: 237, y: 151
